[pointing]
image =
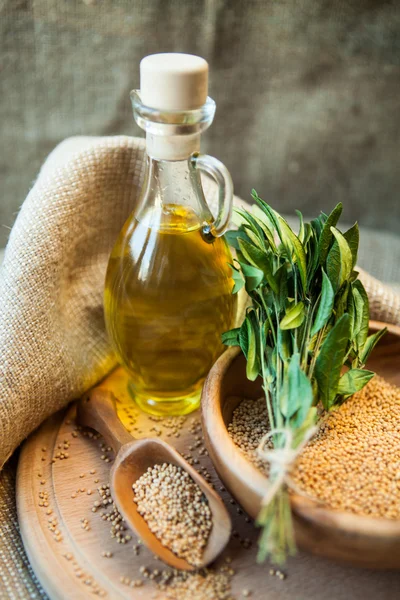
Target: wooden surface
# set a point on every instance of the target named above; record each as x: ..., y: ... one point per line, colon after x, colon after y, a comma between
x: 308, y: 577
x: 364, y: 541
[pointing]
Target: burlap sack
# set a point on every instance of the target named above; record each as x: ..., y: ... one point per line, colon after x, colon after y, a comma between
x: 52, y: 336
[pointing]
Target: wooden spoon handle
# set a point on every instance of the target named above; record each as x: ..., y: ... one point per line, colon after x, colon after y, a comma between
x: 98, y: 410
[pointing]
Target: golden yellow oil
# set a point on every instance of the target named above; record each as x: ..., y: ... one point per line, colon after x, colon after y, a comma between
x: 168, y: 298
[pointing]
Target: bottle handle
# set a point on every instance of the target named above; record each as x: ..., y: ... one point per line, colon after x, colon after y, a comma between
x: 222, y: 177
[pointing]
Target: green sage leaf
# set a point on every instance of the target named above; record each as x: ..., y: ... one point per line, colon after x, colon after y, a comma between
x: 237, y: 279
x: 300, y: 385
x: 284, y: 343
x: 352, y: 312
x: 370, y: 344
x: 232, y: 237
x: 326, y: 233
x: 308, y: 232
x: 251, y: 225
x: 301, y: 233
x: 269, y: 235
x: 353, y: 276
x: 330, y: 361
x: 309, y: 421
x: 259, y: 210
x: 362, y: 309
x: 353, y: 381
x: 352, y: 237
x: 317, y: 227
x: 294, y: 248
x: 271, y: 359
x: 294, y: 317
x: 299, y: 396
x: 325, y: 305
x: 244, y: 338
x: 231, y: 337
x: 260, y: 259
x: 291, y: 240
x: 253, y: 362
x: 252, y: 275
x: 313, y: 258
x: 253, y: 237
x: 339, y: 262
x: 281, y: 278
x: 341, y: 300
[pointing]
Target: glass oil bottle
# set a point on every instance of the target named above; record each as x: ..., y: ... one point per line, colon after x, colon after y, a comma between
x: 168, y: 286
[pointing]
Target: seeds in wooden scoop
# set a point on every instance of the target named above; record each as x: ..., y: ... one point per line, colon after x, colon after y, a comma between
x: 175, y: 510
x: 352, y: 463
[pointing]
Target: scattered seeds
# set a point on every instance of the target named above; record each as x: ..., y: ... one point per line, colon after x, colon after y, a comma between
x: 199, y: 585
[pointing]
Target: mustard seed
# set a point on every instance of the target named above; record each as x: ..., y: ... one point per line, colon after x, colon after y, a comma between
x: 351, y: 464
x: 198, y: 585
x: 352, y: 461
x: 175, y: 510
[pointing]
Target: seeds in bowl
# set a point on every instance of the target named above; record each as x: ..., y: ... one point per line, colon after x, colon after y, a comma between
x: 175, y: 509
x: 249, y: 424
x: 352, y: 463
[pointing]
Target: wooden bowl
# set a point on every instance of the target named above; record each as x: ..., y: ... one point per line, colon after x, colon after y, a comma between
x: 363, y: 541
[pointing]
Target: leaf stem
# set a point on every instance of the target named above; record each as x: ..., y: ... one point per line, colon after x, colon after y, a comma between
x: 266, y: 388
x: 268, y: 317
x: 295, y: 299
x: 316, y: 351
x: 306, y: 337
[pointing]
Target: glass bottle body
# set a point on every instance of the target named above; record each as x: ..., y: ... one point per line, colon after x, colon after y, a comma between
x: 168, y: 291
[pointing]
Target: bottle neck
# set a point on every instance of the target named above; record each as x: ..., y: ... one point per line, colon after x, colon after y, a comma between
x: 171, y: 185
x: 173, y: 147
x: 172, y: 134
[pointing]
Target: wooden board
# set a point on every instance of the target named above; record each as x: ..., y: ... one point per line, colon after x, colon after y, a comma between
x: 68, y: 558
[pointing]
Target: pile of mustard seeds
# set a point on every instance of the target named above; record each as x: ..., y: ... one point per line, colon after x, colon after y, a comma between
x: 353, y: 462
x: 175, y: 509
x: 249, y: 424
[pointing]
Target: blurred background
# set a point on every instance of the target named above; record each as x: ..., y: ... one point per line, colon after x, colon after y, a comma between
x: 307, y: 92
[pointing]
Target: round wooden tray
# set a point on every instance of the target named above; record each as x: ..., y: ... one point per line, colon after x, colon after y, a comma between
x: 68, y: 558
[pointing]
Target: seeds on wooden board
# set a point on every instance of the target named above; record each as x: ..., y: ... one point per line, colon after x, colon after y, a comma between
x: 352, y: 462
x: 175, y: 510
x: 206, y: 584
x: 118, y: 530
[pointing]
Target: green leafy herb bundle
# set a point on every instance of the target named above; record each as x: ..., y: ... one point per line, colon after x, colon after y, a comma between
x: 308, y: 320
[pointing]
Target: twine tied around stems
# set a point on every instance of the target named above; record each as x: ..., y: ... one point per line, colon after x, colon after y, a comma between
x: 281, y: 460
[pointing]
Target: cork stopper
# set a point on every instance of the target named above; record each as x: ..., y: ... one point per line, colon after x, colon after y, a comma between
x: 173, y: 81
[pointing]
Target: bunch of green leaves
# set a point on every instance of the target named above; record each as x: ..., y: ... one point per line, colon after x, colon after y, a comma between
x: 305, y: 333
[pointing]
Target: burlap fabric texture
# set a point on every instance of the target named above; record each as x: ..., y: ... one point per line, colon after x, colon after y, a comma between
x: 52, y: 336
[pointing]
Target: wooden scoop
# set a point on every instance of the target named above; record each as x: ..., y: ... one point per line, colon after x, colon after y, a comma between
x: 133, y: 457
